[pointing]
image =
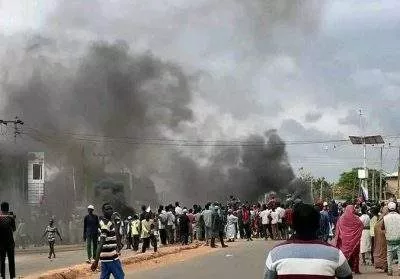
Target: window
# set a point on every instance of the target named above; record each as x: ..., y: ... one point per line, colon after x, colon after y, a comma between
x: 37, y: 172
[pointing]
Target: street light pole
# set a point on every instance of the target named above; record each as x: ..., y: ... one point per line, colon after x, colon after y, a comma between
x: 380, y: 176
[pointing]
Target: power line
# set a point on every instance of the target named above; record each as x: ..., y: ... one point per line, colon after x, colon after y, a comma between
x: 176, y: 142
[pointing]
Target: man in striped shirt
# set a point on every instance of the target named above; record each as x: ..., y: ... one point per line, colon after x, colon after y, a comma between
x: 107, y: 249
x: 305, y: 256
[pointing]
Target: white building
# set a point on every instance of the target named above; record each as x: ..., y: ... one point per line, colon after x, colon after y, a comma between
x: 35, y: 177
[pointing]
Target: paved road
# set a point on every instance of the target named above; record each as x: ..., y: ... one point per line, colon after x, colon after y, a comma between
x: 36, y: 263
x: 244, y: 260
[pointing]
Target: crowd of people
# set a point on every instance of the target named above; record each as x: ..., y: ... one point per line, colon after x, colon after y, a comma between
x: 372, y: 231
x: 357, y: 230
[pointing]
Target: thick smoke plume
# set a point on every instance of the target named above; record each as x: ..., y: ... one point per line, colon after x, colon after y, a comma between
x: 111, y: 95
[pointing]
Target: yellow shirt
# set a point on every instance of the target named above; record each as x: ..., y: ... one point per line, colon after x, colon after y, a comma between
x: 135, y: 227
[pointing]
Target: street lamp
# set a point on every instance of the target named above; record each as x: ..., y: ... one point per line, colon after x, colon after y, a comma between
x: 363, y: 174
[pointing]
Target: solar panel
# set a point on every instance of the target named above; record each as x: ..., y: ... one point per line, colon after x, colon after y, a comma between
x: 368, y: 140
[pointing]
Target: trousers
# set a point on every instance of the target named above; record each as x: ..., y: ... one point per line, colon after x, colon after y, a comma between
x: 91, y: 246
x: 163, y: 236
x: 10, y: 253
x: 146, y: 243
x: 391, y: 249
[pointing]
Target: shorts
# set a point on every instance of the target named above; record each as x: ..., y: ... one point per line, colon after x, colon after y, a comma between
x: 114, y: 268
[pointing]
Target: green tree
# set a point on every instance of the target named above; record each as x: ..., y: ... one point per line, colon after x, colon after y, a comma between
x: 322, y: 189
x: 349, y: 183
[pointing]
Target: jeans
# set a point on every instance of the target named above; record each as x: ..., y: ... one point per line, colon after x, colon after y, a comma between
x: 392, y: 248
x: 91, y: 242
x: 9, y: 252
x: 114, y: 268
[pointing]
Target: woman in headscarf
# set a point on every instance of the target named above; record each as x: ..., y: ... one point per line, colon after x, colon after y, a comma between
x: 380, y: 246
x: 348, y: 236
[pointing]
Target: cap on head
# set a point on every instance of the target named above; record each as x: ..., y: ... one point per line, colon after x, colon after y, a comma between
x: 392, y: 206
x: 129, y: 217
x: 91, y: 207
x: 325, y: 204
x: 184, y: 210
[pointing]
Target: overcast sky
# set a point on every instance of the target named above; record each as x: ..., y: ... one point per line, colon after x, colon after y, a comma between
x: 306, y: 74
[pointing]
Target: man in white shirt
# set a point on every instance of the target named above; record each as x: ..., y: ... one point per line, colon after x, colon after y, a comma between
x: 281, y: 216
x: 274, y: 223
x: 178, y: 209
x: 265, y: 215
x: 391, y: 226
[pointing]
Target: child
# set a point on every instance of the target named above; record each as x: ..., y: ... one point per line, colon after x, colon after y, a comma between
x: 51, y: 232
x: 135, y: 230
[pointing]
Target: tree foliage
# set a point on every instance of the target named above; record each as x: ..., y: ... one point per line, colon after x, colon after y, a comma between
x: 349, y: 183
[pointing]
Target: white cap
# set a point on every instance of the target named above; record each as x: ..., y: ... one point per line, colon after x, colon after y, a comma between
x: 184, y: 210
x: 392, y: 206
x: 91, y: 207
x: 325, y: 204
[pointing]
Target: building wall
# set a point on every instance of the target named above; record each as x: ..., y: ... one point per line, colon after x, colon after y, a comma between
x: 36, y: 189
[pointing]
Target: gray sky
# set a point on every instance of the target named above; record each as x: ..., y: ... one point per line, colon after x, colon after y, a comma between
x: 305, y: 73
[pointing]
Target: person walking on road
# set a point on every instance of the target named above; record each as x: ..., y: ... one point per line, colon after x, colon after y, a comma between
x: 170, y: 225
x: 91, y: 233
x: 107, y: 248
x: 147, y: 233
x: 380, y: 244
x: 306, y: 256
x: 7, y: 244
x: 51, y: 232
x: 128, y: 235
x: 207, y: 217
x: 217, y: 228
x: 391, y: 226
x: 162, y: 225
x: 365, y: 245
x: 348, y: 237
x: 264, y: 215
x: 184, y: 224
x: 231, y: 226
x: 135, y: 230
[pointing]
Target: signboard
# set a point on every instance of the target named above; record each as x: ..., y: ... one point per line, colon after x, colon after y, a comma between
x: 362, y: 174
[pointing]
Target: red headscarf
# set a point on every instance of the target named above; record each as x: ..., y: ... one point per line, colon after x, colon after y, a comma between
x: 348, y: 231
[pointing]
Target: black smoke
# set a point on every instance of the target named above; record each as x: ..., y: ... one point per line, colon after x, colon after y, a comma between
x: 248, y: 170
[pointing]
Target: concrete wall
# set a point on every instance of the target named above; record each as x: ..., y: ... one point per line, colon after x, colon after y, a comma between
x: 36, y: 189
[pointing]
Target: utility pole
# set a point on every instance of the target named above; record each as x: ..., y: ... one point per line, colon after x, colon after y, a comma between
x: 380, y: 176
x: 320, y: 190
x: 373, y: 185
x: 17, y: 123
x: 398, y: 175
x: 311, y: 188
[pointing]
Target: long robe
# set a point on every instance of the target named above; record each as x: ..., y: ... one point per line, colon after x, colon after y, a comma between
x: 365, y: 236
x: 348, y: 233
x: 232, y: 222
x: 380, y: 247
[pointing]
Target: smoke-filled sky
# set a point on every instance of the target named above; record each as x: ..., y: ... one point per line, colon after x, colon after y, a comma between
x: 304, y: 68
